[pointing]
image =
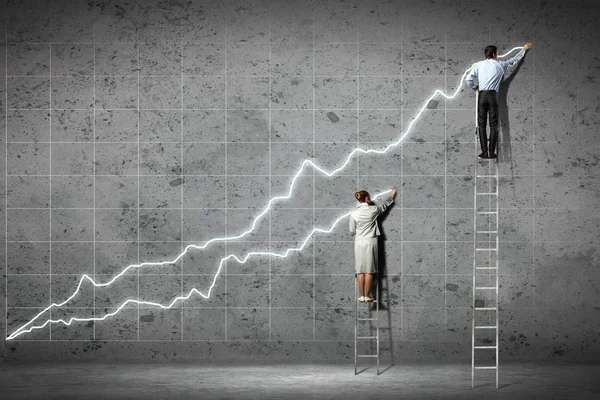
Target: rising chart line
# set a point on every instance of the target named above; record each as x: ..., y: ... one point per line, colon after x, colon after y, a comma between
x: 26, y: 328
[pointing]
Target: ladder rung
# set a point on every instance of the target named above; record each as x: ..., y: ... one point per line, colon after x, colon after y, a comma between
x: 366, y: 302
x: 486, y: 287
x: 487, y: 231
x: 488, y: 194
x: 487, y: 176
x: 366, y: 337
x: 482, y: 249
x: 366, y: 319
x: 486, y: 327
x: 487, y: 308
x: 366, y: 356
x: 484, y: 347
x: 487, y: 212
x: 486, y: 268
x: 484, y: 367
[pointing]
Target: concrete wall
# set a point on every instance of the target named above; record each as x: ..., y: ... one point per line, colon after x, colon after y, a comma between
x: 137, y: 128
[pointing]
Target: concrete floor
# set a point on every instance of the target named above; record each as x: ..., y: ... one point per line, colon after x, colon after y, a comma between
x: 279, y: 381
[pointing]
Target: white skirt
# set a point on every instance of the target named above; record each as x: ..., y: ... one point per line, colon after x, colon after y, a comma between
x: 366, y: 255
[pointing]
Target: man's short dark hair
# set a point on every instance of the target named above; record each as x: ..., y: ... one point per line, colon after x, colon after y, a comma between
x: 490, y: 51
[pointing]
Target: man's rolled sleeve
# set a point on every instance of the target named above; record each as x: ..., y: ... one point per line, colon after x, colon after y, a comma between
x: 511, y: 62
x: 470, y: 79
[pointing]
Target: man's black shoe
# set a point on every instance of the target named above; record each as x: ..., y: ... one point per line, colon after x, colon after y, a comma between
x: 491, y: 154
x: 483, y: 155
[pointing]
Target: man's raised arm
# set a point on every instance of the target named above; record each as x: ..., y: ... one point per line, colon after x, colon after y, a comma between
x: 511, y: 62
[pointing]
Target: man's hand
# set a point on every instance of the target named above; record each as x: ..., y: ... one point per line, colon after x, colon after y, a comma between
x: 393, y: 193
x: 527, y: 46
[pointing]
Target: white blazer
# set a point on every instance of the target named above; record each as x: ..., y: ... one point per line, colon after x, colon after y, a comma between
x: 363, y: 220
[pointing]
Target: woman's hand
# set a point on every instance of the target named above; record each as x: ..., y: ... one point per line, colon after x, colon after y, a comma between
x: 393, y: 193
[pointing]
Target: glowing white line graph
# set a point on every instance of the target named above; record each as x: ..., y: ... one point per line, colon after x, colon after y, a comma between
x: 23, y: 329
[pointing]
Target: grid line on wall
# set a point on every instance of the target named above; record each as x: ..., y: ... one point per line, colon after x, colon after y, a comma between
x: 244, y: 307
x: 225, y: 277
x: 245, y: 142
x: 446, y: 177
x: 94, y: 178
x: 50, y: 180
x: 138, y: 178
x: 439, y: 76
x: 270, y: 297
x: 6, y: 169
x: 262, y: 175
x: 577, y: 138
x: 252, y: 274
x: 358, y: 105
x: 401, y: 189
x: 533, y: 190
x: 287, y: 208
x: 314, y: 137
x: 185, y: 340
x: 272, y: 109
x: 182, y: 182
x: 281, y: 241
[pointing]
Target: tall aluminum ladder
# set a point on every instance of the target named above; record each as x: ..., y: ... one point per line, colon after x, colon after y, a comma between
x: 485, y: 328
x: 358, y: 306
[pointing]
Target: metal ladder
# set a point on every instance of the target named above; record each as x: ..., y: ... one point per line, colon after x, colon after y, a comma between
x: 485, y: 267
x: 370, y: 318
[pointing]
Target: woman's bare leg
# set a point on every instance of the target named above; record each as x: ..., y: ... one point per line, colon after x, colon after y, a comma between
x: 361, y: 283
x: 368, y: 283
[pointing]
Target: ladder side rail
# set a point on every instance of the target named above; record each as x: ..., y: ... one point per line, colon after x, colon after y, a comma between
x: 378, y: 291
x: 497, y: 275
x: 355, y: 324
x: 474, y: 242
x: 474, y: 271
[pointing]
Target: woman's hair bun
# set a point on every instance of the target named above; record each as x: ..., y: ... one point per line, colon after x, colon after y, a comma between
x: 361, y: 195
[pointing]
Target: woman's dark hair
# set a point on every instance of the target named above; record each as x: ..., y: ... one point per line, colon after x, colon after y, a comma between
x: 361, y: 196
x: 490, y: 51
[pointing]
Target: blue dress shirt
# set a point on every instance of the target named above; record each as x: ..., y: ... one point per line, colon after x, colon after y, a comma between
x: 489, y: 72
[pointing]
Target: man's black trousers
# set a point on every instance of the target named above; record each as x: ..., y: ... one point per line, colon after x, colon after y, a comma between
x: 488, y: 104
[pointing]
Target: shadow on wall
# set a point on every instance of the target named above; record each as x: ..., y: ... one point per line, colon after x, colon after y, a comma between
x: 503, y: 117
x: 504, y: 147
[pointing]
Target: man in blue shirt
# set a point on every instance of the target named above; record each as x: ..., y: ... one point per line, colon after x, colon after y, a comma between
x: 489, y: 73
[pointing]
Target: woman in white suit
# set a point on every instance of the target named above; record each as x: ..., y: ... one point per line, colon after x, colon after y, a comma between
x: 363, y: 224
